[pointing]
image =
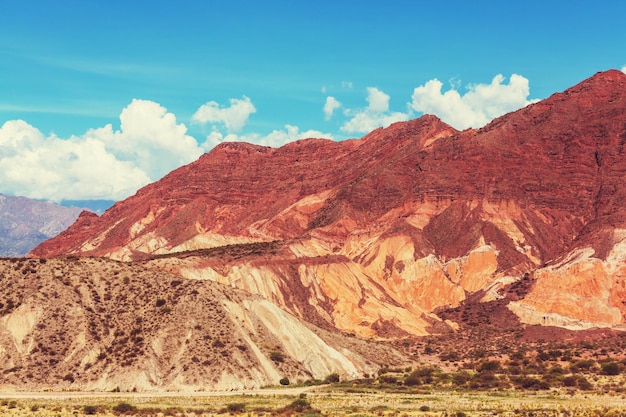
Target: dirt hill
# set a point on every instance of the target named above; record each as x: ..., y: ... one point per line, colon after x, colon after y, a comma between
x: 98, y: 324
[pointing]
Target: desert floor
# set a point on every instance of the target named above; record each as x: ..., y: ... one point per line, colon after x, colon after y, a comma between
x: 313, y: 401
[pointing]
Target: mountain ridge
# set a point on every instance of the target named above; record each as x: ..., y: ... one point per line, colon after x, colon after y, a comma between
x: 379, y: 233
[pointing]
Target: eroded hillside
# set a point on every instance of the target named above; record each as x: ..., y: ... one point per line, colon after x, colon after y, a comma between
x: 97, y: 324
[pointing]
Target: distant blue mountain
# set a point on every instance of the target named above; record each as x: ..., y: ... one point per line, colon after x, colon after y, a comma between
x: 25, y: 223
x: 97, y: 206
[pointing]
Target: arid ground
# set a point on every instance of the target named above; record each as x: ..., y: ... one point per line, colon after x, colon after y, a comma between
x: 328, y: 401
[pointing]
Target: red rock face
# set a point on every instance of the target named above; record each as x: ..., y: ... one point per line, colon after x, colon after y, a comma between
x: 239, y: 188
x: 408, y: 219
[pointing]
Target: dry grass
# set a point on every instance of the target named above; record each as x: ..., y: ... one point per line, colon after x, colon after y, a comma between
x: 329, y: 402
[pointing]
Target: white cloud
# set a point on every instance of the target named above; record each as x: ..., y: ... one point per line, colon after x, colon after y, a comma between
x: 346, y: 84
x: 624, y: 69
x: 51, y: 168
x: 478, y: 106
x: 330, y: 106
x: 289, y: 134
x: 102, y: 163
x: 150, y: 137
x: 377, y: 100
x: 275, y: 139
x: 375, y: 115
x: 233, y: 117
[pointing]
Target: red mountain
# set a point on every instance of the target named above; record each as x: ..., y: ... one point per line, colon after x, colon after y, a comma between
x: 373, y: 236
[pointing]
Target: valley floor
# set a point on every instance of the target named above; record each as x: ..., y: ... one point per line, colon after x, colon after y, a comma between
x: 319, y: 401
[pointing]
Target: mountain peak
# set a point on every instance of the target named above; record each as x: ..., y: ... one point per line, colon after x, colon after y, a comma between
x: 602, y: 83
x: 425, y: 129
x: 240, y: 147
x: 611, y: 74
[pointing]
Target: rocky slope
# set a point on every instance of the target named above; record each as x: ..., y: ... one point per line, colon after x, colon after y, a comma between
x: 97, y: 324
x: 373, y: 236
x: 25, y: 223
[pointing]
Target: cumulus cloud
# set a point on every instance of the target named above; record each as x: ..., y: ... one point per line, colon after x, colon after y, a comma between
x: 51, y: 168
x: 330, y: 106
x: 624, y: 69
x: 377, y: 100
x: 226, y: 122
x: 274, y: 139
x: 479, y: 105
x: 233, y: 117
x: 150, y: 137
x: 375, y: 115
x: 101, y: 164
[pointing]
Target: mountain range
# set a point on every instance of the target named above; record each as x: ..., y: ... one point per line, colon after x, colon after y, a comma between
x: 24, y: 223
x: 372, y: 236
x: 416, y: 229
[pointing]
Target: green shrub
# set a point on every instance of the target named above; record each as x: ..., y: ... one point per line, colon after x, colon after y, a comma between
x: 486, y: 379
x: 277, y: 356
x: 236, y: 408
x: 461, y: 378
x: 300, y: 405
x: 332, y: 378
x: 611, y: 368
x: 556, y: 370
x: 584, y: 384
x: 583, y: 365
x: 450, y: 356
x: 284, y: 381
x: 489, y: 366
x: 124, y: 408
x: 173, y: 411
x: 533, y: 384
x: 90, y: 410
x: 386, y: 379
x: 413, y: 380
x: 569, y: 381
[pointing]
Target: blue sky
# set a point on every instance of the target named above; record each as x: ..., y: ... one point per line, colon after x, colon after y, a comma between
x: 103, y: 97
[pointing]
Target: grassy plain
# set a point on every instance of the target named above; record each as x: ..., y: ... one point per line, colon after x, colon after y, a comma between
x: 328, y: 401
